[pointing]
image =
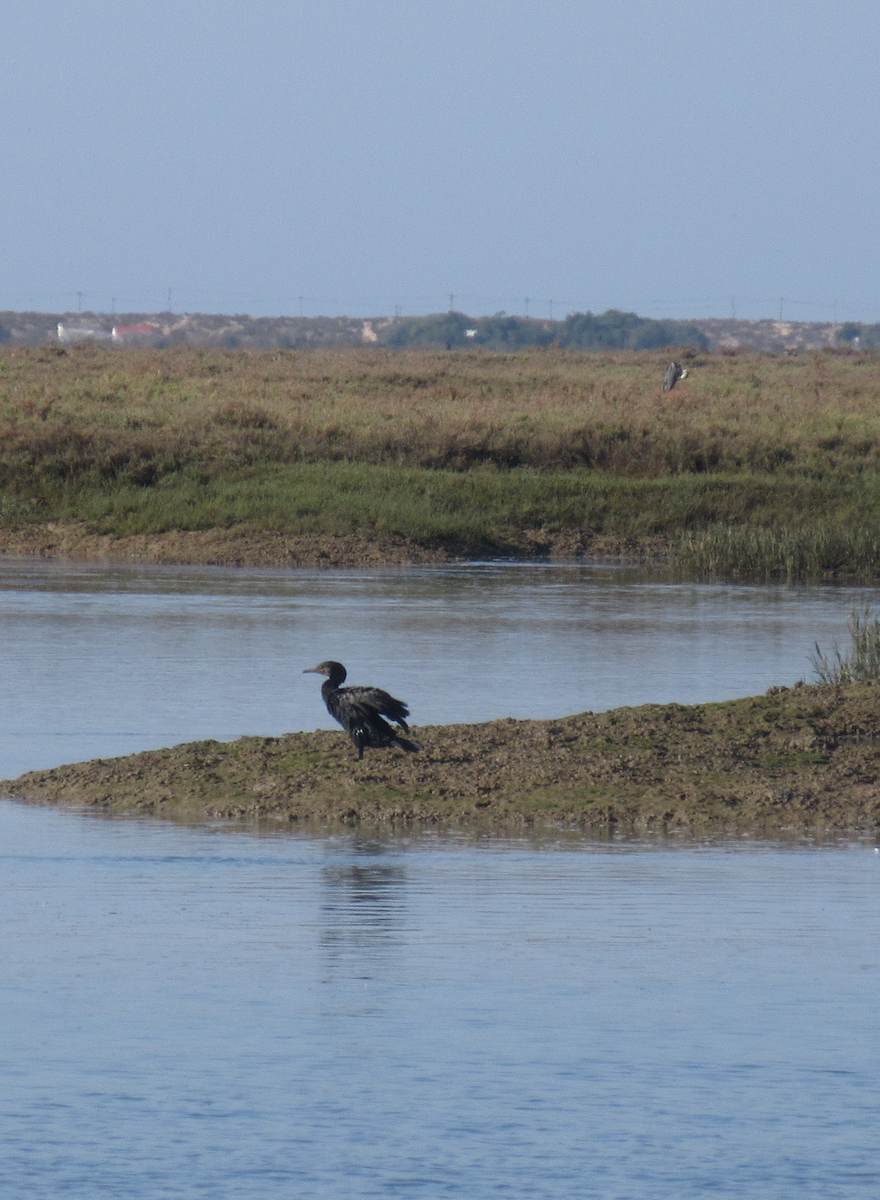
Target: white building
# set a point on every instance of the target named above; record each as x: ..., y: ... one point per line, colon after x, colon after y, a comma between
x: 74, y: 333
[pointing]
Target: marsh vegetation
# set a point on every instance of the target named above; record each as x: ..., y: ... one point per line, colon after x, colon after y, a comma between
x: 861, y: 663
x: 756, y: 467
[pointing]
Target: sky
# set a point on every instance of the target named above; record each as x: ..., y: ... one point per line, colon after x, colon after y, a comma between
x: 676, y: 158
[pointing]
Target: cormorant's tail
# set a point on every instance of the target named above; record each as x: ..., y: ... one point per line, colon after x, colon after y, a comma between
x: 405, y: 744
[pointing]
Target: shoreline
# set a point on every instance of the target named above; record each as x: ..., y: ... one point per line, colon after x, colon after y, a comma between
x: 242, y: 546
x: 804, y: 759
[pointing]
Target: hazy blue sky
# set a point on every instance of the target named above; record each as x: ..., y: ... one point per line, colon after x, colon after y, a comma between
x: 675, y: 157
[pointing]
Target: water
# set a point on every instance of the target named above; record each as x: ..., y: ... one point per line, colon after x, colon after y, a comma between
x: 100, y: 661
x: 196, y: 1013
x: 224, y: 1013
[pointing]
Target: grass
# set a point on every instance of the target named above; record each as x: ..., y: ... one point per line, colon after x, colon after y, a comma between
x: 862, y: 663
x: 842, y: 544
x: 482, y: 509
x: 755, y: 467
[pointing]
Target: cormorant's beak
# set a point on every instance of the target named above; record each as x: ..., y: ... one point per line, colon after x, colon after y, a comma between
x: 313, y: 671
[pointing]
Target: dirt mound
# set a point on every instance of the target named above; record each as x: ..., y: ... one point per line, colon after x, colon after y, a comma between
x: 795, y: 759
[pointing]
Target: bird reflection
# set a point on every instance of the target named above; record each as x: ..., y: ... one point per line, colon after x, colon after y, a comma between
x: 362, y: 914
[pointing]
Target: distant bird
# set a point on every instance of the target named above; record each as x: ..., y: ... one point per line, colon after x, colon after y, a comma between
x: 359, y: 710
x: 674, y: 372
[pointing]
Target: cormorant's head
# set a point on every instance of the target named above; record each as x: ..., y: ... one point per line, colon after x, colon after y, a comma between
x: 333, y: 670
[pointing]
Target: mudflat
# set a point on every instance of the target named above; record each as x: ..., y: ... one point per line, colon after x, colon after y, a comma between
x: 805, y: 758
x: 240, y: 546
x: 244, y: 546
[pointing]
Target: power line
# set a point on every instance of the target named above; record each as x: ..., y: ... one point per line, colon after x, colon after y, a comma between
x: 833, y: 309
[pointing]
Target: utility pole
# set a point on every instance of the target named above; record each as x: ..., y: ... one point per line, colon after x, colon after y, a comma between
x: 169, y: 300
x: 781, y: 302
x: 113, y: 307
x: 732, y: 308
x: 79, y: 297
x: 451, y: 301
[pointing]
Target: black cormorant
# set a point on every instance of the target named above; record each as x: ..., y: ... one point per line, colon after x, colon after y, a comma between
x: 359, y: 710
x: 674, y: 372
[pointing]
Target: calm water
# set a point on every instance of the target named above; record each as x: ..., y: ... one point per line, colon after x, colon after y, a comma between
x: 209, y: 1013
x: 225, y: 1013
x: 100, y: 661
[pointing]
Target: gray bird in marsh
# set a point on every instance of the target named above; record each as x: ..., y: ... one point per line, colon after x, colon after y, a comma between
x: 359, y: 710
x: 674, y: 372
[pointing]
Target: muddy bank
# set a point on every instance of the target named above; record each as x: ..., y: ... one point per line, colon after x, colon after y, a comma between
x: 241, y: 546
x: 235, y: 547
x: 798, y: 759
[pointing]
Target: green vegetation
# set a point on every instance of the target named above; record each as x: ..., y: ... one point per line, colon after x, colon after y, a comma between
x: 865, y: 337
x: 755, y: 466
x: 863, y: 661
x: 486, y: 511
x: 792, y: 547
x: 611, y: 330
x: 614, y: 330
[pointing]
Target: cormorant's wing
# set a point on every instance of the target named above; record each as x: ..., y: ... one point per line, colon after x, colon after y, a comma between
x: 367, y: 701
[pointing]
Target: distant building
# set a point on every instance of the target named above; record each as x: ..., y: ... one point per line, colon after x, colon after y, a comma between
x: 74, y: 333
x: 133, y: 333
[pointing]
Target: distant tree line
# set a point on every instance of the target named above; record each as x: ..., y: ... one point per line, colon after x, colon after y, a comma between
x: 611, y: 330
x: 862, y: 337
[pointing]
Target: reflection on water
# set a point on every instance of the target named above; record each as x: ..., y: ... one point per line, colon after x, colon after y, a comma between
x: 196, y: 1013
x: 362, y: 909
x: 100, y: 661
